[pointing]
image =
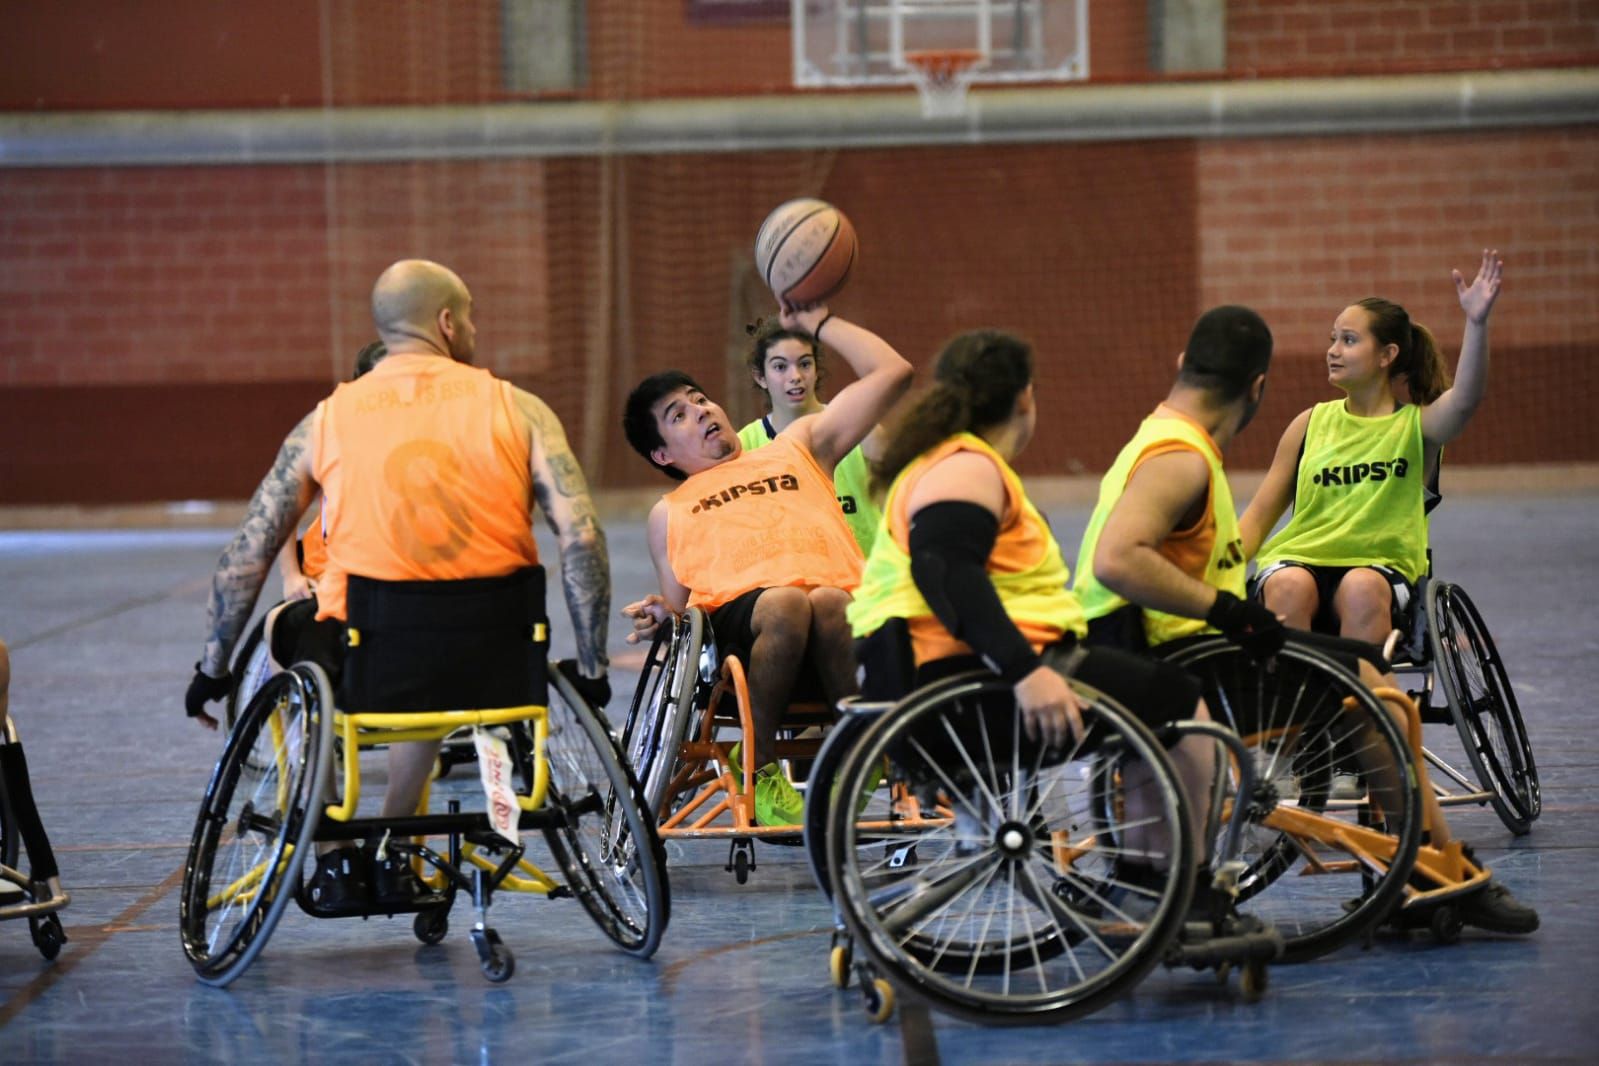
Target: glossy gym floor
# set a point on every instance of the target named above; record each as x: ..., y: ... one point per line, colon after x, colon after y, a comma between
x: 104, y: 627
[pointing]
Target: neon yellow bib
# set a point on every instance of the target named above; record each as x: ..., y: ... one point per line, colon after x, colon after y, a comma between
x: 850, y: 480
x: 1026, y: 565
x: 1212, y: 551
x: 1360, y: 493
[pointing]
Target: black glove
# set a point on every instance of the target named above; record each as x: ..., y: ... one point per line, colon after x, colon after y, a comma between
x: 596, y: 691
x: 1247, y: 623
x: 205, y: 689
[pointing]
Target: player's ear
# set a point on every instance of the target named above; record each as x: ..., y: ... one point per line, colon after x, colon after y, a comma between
x: 1257, y: 389
x: 1180, y: 356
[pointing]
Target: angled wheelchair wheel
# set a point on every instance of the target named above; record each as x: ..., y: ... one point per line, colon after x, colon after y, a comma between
x: 1322, y: 869
x: 662, y: 711
x: 1017, y: 908
x: 1483, y: 705
x: 606, y: 846
x: 255, y: 824
x: 819, y: 791
x: 252, y: 665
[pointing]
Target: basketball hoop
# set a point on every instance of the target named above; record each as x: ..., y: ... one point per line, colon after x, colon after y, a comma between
x: 942, y: 77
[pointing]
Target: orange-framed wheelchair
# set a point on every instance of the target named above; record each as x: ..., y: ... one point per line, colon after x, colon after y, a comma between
x: 682, y: 736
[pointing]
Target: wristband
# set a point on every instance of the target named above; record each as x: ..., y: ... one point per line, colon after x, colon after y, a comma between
x: 817, y: 332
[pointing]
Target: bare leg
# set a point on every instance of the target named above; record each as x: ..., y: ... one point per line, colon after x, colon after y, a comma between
x: 410, y: 765
x: 832, y: 645
x: 781, y: 624
x: 1194, y: 759
x: 1291, y: 594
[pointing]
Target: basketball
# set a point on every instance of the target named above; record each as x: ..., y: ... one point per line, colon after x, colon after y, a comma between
x: 804, y: 251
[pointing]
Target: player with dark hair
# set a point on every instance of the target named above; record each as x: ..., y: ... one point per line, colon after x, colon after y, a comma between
x: 756, y: 537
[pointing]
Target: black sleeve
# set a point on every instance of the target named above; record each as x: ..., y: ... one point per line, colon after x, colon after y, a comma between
x: 949, y: 543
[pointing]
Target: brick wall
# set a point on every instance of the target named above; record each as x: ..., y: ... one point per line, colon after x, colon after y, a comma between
x: 1381, y: 36
x: 1302, y: 227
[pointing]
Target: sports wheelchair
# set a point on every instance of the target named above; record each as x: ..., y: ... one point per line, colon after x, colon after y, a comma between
x: 993, y: 877
x: 271, y: 798
x: 42, y: 895
x: 1461, y: 678
x: 677, y: 737
x: 1454, y: 674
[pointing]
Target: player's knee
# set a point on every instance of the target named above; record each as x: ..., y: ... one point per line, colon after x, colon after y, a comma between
x: 1293, y: 588
x: 782, y: 613
x: 1363, y: 596
x: 828, y: 606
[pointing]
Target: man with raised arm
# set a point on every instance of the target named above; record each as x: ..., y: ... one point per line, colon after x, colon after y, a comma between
x: 430, y: 470
x: 756, y: 537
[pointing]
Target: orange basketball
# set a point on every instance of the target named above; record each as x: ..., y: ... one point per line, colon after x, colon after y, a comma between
x: 804, y: 251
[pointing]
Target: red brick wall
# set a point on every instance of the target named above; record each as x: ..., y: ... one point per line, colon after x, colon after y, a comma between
x: 1302, y: 227
x: 1381, y: 36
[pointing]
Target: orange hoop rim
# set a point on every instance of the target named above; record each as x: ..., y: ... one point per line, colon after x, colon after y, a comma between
x: 942, y: 65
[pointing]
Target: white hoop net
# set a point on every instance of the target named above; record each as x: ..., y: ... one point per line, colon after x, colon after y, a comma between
x: 942, y: 77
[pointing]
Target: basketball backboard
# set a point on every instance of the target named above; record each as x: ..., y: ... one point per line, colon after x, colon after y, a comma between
x: 869, y: 43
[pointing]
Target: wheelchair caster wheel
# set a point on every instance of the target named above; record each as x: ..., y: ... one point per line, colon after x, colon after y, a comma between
x: 1445, y: 924
x: 431, y: 925
x: 879, y: 1000
x: 498, y: 962
x: 48, y: 936
x: 838, y: 964
x: 741, y: 859
x: 1252, y: 981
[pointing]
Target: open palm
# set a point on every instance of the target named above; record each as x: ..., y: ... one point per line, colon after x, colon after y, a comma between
x: 1477, y: 299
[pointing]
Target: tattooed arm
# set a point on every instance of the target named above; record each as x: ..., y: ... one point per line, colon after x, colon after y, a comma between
x: 278, y: 503
x: 563, y: 494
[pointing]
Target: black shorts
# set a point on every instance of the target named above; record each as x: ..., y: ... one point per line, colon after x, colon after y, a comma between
x: 1155, y: 691
x: 1327, y: 580
x: 732, y: 625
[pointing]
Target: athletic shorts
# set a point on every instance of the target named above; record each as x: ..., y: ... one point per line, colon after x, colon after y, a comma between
x: 1328, y: 579
x: 1155, y: 691
x: 732, y: 624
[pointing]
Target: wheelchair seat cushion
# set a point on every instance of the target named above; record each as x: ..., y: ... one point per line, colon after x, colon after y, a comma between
x: 470, y: 644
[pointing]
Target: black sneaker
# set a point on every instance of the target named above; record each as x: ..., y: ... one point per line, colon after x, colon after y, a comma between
x: 339, y: 885
x: 394, y: 883
x: 1492, y: 907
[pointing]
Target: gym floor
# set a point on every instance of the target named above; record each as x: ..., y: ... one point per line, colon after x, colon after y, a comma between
x: 104, y: 628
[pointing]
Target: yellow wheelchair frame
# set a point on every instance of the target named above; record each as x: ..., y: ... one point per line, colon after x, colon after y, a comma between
x: 278, y: 756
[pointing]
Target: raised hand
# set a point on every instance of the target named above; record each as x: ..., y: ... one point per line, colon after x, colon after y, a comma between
x: 1477, y: 299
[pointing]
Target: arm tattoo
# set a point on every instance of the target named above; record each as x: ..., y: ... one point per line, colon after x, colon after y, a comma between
x: 586, y: 575
x: 245, y: 562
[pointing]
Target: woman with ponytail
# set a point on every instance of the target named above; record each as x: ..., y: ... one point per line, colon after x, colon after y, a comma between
x: 966, y: 567
x: 1358, y: 470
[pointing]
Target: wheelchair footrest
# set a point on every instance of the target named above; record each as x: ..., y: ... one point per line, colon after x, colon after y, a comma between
x: 1242, y: 939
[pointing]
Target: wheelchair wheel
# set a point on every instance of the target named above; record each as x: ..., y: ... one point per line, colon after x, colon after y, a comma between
x: 252, y: 665
x: 256, y: 823
x: 841, y: 737
x: 1017, y: 908
x: 1483, y: 705
x: 1322, y: 870
x: 606, y: 846
x: 662, y: 709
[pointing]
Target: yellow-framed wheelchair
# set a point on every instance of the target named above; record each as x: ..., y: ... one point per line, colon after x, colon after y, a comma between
x: 1018, y: 905
x: 689, y: 712
x: 270, y: 801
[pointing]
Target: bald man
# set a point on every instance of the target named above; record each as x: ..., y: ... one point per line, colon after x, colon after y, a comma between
x: 430, y: 470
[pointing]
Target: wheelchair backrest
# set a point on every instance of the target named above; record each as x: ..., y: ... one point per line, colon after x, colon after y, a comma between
x: 468, y: 644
